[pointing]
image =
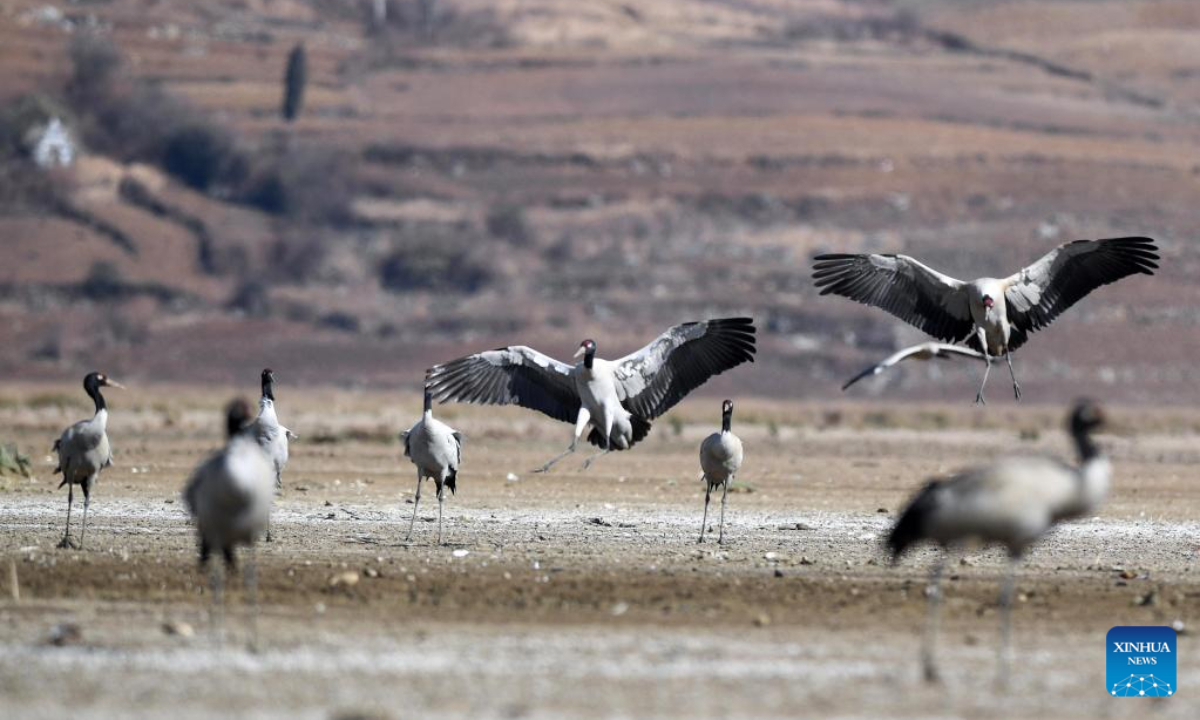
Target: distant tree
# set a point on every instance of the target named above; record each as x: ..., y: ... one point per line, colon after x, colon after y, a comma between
x: 294, y: 80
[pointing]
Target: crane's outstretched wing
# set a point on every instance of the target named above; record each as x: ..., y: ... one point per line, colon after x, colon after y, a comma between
x: 653, y: 379
x: 915, y: 293
x: 515, y: 375
x: 1041, y: 292
x: 924, y: 351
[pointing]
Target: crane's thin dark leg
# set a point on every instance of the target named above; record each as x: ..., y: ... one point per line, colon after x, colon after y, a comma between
x: 66, y: 539
x: 607, y: 448
x: 1013, y: 374
x: 934, y: 591
x: 416, y: 504
x: 250, y: 580
x: 724, y: 494
x: 441, y: 496
x: 87, y: 502
x: 278, y: 485
x: 1006, y: 601
x: 581, y: 423
x: 704, y: 522
x: 216, y: 614
x: 979, y: 400
x: 554, y: 460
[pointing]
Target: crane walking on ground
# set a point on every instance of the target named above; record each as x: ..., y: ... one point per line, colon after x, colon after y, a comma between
x: 436, y: 449
x: 83, y: 451
x: 720, y: 459
x: 1012, y: 502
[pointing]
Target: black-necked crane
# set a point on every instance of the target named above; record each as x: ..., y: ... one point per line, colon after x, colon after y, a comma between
x: 617, y: 399
x: 923, y: 351
x: 1011, y: 502
x: 436, y: 449
x: 993, y: 315
x: 720, y: 459
x: 270, y: 434
x: 83, y: 451
x: 229, y: 495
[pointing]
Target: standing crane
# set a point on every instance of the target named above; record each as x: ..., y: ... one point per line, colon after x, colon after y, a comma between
x: 616, y: 399
x: 83, y: 451
x: 436, y: 449
x: 720, y: 459
x: 272, y: 437
x: 229, y: 495
x: 994, y: 316
x: 1012, y: 502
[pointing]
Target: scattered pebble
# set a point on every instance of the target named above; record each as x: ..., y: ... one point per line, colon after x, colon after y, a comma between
x: 512, y: 477
x: 620, y: 608
x: 64, y: 634
x: 461, y: 553
x: 762, y: 620
x: 371, y: 572
x: 178, y: 629
x: 347, y: 579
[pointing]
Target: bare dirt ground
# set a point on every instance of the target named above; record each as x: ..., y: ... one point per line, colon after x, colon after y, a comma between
x: 580, y: 594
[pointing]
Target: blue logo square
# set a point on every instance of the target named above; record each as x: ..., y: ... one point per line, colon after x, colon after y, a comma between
x: 1141, y: 661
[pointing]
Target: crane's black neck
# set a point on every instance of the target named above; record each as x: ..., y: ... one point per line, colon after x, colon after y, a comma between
x: 268, y: 386
x: 727, y: 421
x: 589, y: 358
x: 428, y: 401
x: 1088, y: 450
x: 92, y: 386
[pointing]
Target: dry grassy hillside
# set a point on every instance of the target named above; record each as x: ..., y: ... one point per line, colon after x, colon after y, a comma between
x: 467, y: 173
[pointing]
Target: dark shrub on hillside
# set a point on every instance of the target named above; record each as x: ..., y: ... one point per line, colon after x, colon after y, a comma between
x: 103, y: 282
x: 308, y: 183
x: 199, y: 155
x: 435, y: 264
x: 507, y: 222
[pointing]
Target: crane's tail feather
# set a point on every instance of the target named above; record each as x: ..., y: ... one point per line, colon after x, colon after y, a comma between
x: 910, y: 527
x: 641, y: 428
x: 452, y: 480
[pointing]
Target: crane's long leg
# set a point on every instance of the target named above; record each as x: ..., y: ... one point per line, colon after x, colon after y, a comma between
x: 607, y: 449
x: 66, y: 539
x: 981, y: 336
x: 707, y: 495
x: 979, y: 400
x: 216, y: 614
x: 441, y: 496
x: 553, y: 461
x: 250, y: 580
x: 278, y: 486
x: 581, y: 422
x: 724, y: 494
x: 1006, y: 600
x: 1013, y: 374
x: 416, y: 503
x: 87, y: 501
x: 934, y: 591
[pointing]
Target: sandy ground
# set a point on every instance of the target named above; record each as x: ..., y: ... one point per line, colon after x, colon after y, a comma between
x: 579, y: 594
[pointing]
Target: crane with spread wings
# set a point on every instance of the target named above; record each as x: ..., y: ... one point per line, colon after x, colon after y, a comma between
x: 994, y: 316
x: 617, y: 399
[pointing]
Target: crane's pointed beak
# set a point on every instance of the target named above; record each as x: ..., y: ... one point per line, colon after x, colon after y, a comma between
x: 580, y: 351
x: 113, y: 383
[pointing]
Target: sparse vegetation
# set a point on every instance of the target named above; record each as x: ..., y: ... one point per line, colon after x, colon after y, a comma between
x: 14, y: 462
